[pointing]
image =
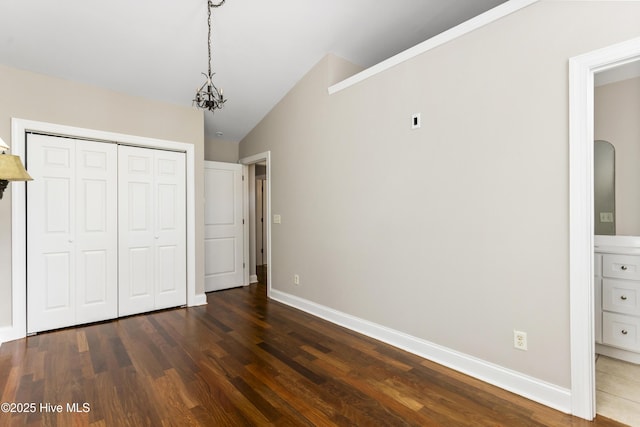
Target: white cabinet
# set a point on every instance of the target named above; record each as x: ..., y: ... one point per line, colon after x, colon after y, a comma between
x: 617, y: 298
x: 106, y: 231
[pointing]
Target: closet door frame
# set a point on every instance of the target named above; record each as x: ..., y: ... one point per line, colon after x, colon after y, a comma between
x: 19, y: 129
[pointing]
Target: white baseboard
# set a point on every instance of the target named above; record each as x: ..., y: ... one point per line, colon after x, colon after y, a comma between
x: 199, y: 299
x: 9, y: 333
x: 532, y: 388
x: 253, y: 278
x: 618, y: 353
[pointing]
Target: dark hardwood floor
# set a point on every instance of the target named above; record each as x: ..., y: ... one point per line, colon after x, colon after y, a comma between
x: 243, y: 361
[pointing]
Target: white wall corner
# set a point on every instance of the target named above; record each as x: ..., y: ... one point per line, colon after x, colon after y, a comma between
x: 532, y: 388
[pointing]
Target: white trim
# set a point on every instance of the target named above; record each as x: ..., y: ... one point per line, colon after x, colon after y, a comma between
x: 460, y: 30
x: 618, y: 353
x: 6, y: 333
x: 581, y: 239
x: 253, y: 278
x: 532, y: 388
x: 257, y: 158
x: 19, y: 127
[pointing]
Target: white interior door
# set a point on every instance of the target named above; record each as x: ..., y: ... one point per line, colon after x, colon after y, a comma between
x: 152, y: 246
x: 71, y: 238
x: 224, y: 228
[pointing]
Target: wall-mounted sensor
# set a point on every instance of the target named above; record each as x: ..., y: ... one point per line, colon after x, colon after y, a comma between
x: 415, y: 121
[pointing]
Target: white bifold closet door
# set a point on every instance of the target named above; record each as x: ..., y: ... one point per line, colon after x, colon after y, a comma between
x: 106, y: 231
x: 71, y: 232
x: 152, y: 229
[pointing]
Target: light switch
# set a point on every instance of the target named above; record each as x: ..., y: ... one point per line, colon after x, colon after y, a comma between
x: 277, y: 219
x: 606, y: 216
x: 415, y: 121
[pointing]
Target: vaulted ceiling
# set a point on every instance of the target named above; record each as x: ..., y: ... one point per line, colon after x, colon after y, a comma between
x: 158, y: 49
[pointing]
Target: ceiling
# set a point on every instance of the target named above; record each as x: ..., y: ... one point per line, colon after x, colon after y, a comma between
x: 158, y: 49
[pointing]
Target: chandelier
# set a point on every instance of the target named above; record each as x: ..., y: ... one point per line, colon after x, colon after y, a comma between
x: 209, y: 97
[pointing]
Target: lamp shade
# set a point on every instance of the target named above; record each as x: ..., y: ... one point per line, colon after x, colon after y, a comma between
x: 11, y: 169
x: 3, y: 145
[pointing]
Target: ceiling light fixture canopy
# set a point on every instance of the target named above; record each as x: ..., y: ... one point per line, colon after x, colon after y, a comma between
x: 209, y: 97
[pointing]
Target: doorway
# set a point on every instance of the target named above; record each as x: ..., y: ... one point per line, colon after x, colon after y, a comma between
x: 617, y: 227
x: 261, y: 226
x: 581, y: 216
x: 258, y: 205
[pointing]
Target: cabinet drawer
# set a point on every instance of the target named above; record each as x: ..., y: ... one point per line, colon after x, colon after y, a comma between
x: 621, y: 266
x: 621, y: 331
x: 621, y: 296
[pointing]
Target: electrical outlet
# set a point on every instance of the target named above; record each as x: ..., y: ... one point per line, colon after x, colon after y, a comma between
x: 520, y: 340
x: 296, y: 279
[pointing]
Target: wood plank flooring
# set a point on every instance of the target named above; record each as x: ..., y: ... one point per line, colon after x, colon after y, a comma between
x: 618, y: 390
x: 244, y: 361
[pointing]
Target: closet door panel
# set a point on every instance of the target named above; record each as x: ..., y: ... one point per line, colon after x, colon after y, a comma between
x: 170, y: 236
x: 50, y: 245
x: 136, y: 200
x: 96, y: 231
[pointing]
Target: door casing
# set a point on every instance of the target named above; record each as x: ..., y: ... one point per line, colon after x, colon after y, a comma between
x: 581, y: 216
x: 251, y: 160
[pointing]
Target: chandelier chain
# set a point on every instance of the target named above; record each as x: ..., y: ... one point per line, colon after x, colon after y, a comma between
x: 211, y: 4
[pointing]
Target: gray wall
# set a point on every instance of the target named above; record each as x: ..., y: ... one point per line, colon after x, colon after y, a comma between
x: 460, y: 234
x: 32, y: 96
x: 616, y: 113
x: 220, y: 150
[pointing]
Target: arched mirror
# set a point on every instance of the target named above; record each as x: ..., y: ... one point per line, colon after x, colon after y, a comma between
x: 604, y: 188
